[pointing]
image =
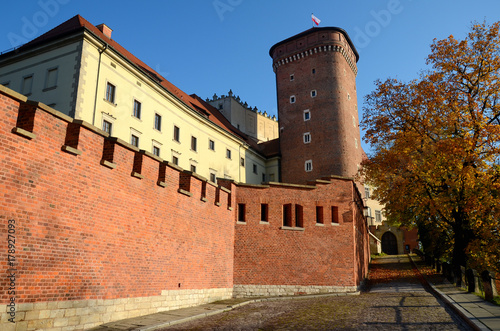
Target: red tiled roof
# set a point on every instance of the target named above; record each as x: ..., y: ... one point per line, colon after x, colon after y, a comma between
x: 78, y: 23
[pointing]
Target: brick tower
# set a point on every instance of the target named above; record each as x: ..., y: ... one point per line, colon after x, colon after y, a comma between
x: 317, y: 105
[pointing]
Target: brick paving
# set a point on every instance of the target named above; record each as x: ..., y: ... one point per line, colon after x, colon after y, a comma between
x: 395, y: 300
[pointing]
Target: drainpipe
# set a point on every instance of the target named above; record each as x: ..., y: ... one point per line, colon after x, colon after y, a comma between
x: 97, y: 82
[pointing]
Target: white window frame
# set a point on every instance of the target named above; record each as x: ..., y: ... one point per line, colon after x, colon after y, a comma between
x: 314, y: 93
x: 308, y: 112
x: 310, y: 164
x: 307, y: 138
x: 293, y: 99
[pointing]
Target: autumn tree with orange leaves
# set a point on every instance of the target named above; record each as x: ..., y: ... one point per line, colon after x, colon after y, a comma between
x: 436, y: 141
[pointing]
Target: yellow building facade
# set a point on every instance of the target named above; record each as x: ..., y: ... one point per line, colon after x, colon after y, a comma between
x: 79, y: 70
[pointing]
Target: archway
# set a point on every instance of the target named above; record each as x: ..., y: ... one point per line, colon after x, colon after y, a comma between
x: 389, y: 243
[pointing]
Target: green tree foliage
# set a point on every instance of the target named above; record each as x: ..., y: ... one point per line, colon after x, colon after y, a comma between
x: 437, y: 144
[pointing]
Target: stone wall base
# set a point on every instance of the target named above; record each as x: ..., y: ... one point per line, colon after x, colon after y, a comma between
x: 242, y: 291
x: 86, y: 314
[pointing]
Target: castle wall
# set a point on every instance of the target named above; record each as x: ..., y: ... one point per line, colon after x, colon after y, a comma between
x: 307, y: 253
x: 103, y: 231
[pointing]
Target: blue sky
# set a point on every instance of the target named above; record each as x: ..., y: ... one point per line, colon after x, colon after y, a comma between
x: 211, y: 46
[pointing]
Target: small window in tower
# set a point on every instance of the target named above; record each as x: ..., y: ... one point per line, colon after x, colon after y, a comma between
x: 292, y: 77
x: 314, y: 71
x: 156, y: 150
x: 211, y: 145
x: 307, y: 138
x: 254, y: 168
x: 348, y: 96
x: 242, y: 162
x: 309, y: 165
x: 193, y: 168
x: 307, y: 115
x: 175, y: 160
x: 292, y: 99
x: 228, y: 153
x: 313, y: 93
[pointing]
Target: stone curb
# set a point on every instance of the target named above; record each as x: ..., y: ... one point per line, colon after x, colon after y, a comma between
x: 470, y: 319
x: 231, y: 307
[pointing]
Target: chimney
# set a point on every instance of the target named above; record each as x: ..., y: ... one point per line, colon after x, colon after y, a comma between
x: 105, y: 29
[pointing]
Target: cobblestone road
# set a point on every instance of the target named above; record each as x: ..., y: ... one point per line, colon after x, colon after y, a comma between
x: 394, y: 300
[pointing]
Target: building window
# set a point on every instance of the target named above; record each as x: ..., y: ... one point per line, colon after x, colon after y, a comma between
x: 378, y: 216
x: 134, y: 140
x: 319, y: 214
x: 335, y: 215
x: 271, y: 177
x: 313, y: 71
x: 137, y: 109
x: 27, y: 85
x: 292, y: 99
x: 299, y: 213
x: 242, y: 162
x: 313, y: 93
x: 228, y: 153
x: 156, y: 151
x: 307, y: 138
x: 193, y: 143
x: 213, y: 177
x: 241, y: 212
x: 254, y: 168
x: 309, y: 165
x: 292, y: 77
x: 263, y: 178
x: 107, y: 126
x: 307, y: 115
x: 211, y: 145
x: 51, y: 78
x: 110, y: 93
x: 367, y: 192
x: 175, y: 160
x: 177, y: 132
x: 158, y: 122
x: 264, y: 212
x: 287, y: 215
x: 193, y: 168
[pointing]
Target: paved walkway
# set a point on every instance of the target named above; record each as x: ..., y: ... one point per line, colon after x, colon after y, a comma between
x: 481, y: 315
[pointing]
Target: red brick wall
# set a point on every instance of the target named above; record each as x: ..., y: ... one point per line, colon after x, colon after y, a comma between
x: 85, y: 231
x: 266, y: 254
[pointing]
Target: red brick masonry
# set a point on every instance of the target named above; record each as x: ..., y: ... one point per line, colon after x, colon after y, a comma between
x: 95, y: 218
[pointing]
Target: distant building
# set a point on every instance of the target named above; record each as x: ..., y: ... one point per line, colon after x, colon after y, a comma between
x: 256, y: 124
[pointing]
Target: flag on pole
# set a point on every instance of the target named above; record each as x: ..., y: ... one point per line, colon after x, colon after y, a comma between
x: 315, y: 19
